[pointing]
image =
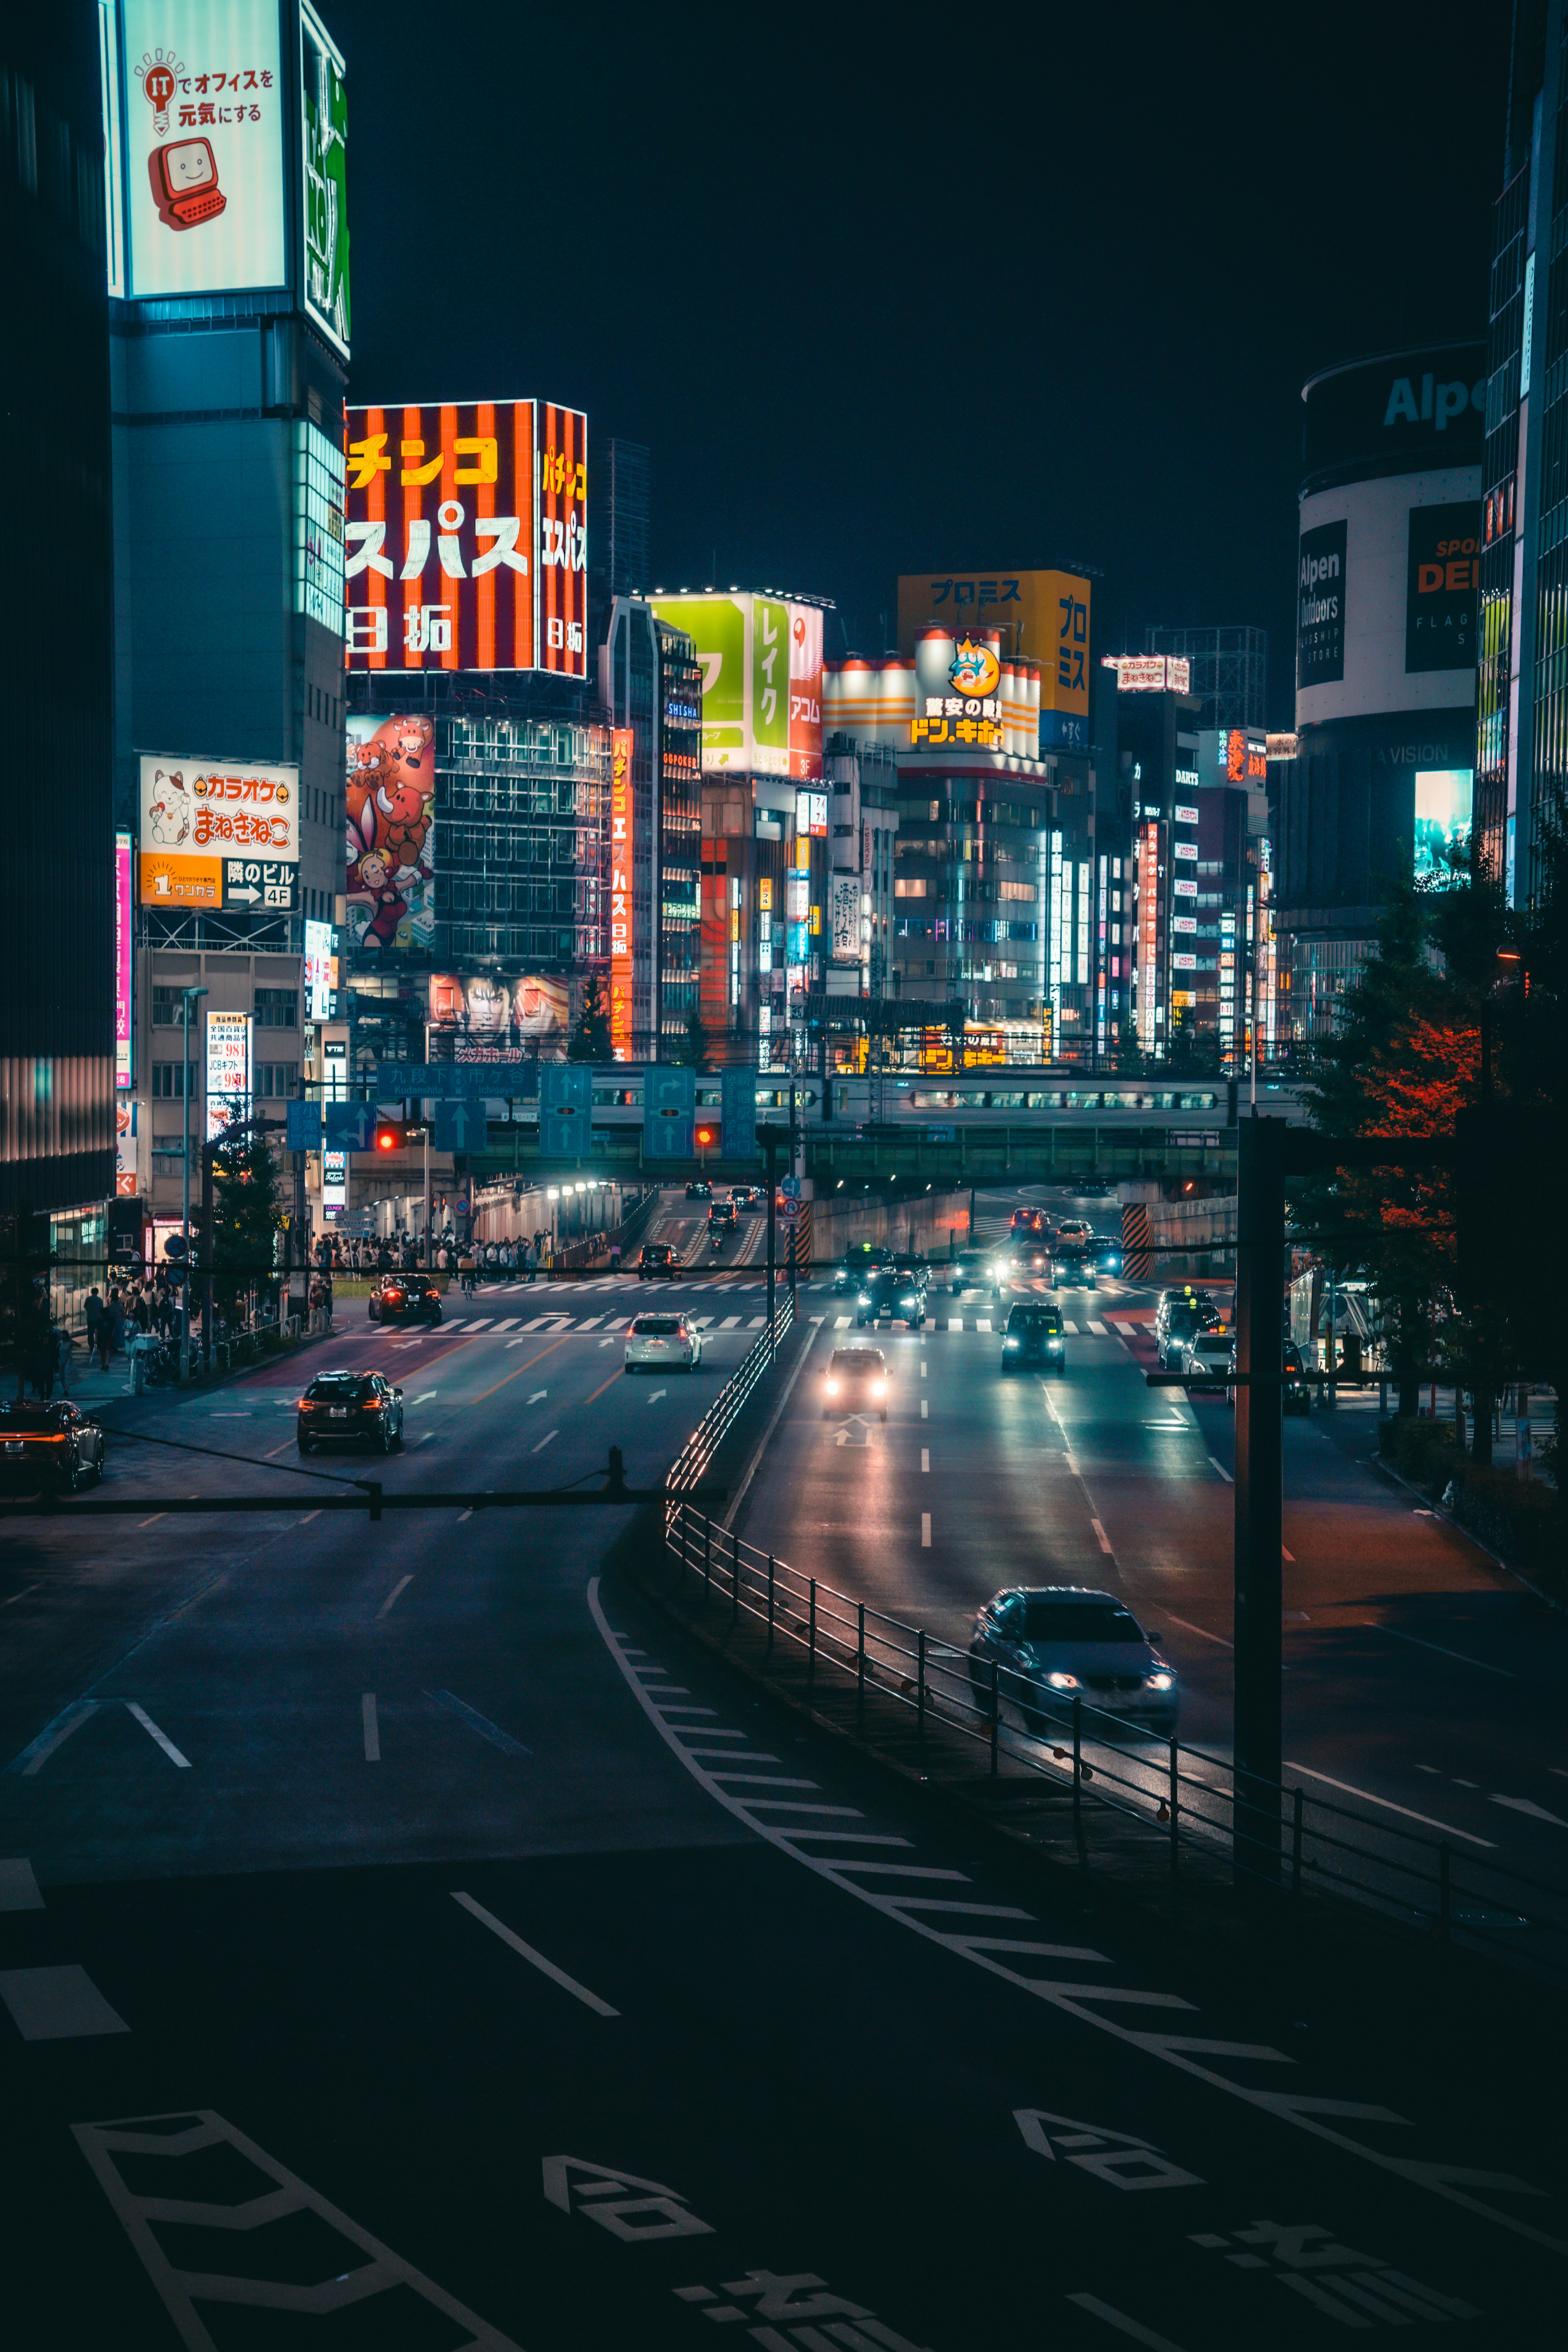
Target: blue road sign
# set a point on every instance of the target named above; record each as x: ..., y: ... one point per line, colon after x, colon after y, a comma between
x: 460, y: 1126
x: 669, y: 1112
x: 566, y: 1110
x: 303, y: 1130
x: 738, y: 1098
x: 349, y: 1126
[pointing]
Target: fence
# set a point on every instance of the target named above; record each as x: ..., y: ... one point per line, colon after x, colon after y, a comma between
x: 693, y: 1463
x: 1198, y: 1810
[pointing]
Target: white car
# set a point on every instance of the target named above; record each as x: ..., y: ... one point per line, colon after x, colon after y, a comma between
x: 1206, y: 1358
x: 662, y: 1343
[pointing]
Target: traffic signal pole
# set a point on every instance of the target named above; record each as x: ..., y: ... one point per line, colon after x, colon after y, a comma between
x: 1259, y: 1506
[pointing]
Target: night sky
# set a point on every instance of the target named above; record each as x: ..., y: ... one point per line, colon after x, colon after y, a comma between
x: 884, y: 289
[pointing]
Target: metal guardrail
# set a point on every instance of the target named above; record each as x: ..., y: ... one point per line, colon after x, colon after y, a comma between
x: 1197, y: 1802
x: 693, y: 1462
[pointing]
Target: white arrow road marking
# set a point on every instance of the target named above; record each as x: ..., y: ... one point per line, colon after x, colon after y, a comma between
x: 1536, y: 1812
x: 537, y: 1396
x: 426, y: 1397
x: 657, y: 1394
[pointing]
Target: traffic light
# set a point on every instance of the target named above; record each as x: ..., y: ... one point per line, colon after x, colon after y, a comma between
x: 389, y: 1135
x: 707, y: 1136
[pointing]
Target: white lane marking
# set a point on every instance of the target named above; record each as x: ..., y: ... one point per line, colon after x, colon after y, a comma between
x: 925, y: 1410
x: 371, y: 1729
x: 1223, y: 1473
x: 536, y: 1959
x: 464, y: 1514
x: 1464, y: 1784
x: 1200, y: 1630
x: 841, y: 1322
x: 1103, y: 1539
x: 1126, y: 1328
x: 591, y: 1323
x: 657, y: 1394
x: 755, y: 1322
x: 57, y: 2004
x: 18, y: 1887
x: 925, y: 1531
x: 922, y: 1367
x: 39, y: 1587
x: 426, y: 1397
x: 308, y: 1517
x: 1068, y: 1325
x: 765, y: 1781
x: 140, y: 1525
x: 1436, y: 1775
x: 538, y: 1396
x: 1536, y: 1812
x: 1099, y: 1328
x: 1079, y: 1952
x: 729, y: 1323
x: 1507, y: 1673
x: 479, y: 1723
x: 53, y: 1735
x: 543, y: 1442
x: 165, y: 1742
x: 983, y: 1322
x: 508, y: 1323
x: 1119, y: 2320
x: 858, y: 1837
x: 401, y: 1585
x: 1366, y: 1796
x: 925, y: 1458
x: 955, y: 1322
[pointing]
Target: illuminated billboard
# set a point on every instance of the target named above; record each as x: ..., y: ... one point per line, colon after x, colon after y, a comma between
x: 497, y: 1016
x: 623, y: 812
x: 323, y: 151
x: 1443, y: 797
x: 194, y: 92
x: 123, y: 1070
x: 1150, y: 673
x: 761, y: 658
x: 389, y: 806
x: 228, y: 1069
x: 318, y: 970
x: 451, y: 559
x: 218, y: 832
x: 1044, y: 615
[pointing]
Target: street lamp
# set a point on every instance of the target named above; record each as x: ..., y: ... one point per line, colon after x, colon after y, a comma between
x: 188, y: 997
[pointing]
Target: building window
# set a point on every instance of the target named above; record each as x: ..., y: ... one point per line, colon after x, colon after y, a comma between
x: 169, y: 1081
x: 276, y: 1081
x: 166, y: 1007
x: 278, y: 1008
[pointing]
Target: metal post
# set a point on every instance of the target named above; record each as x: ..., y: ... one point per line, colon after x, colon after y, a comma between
x: 1260, y: 1518
x: 1077, y: 1752
x: 995, y: 1715
x: 1296, y: 1847
x: 734, y: 1578
x: 770, y: 1602
x: 707, y: 1556
x: 1173, y: 1802
x: 861, y: 1657
x: 207, y: 1156
x: 187, y: 997
x: 921, y: 1700
x: 771, y: 1145
x: 811, y: 1652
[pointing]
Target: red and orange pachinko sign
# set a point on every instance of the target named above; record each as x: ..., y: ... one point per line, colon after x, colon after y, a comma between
x: 621, y: 822
x: 466, y: 538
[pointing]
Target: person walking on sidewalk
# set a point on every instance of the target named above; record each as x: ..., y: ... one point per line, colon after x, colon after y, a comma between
x: 63, y: 1346
x: 94, y: 1311
x: 465, y: 1270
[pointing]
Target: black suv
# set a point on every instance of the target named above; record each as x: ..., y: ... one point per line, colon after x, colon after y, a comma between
x: 404, y: 1298
x: 350, y: 1408
x: 699, y: 1189
x: 888, y: 1293
x: 722, y: 1212
x: 1034, y: 1336
x: 657, y: 1257
x: 49, y: 1446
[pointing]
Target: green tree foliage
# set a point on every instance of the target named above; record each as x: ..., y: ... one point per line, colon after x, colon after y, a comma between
x: 248, y: 1213
x: 691, y: 1052
x: 590, y: 1040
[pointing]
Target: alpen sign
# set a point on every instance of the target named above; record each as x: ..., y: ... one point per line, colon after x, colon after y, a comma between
x: 1321, y: 607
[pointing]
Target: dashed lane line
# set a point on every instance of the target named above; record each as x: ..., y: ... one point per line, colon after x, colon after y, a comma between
x: 1198, y: 2056
x: 1223, y: 1473
x: 1389, y: 1806
x: 548, y: 1440
x: 536, y: 1959
x: 371, y: 1729
x: 1124, y: 2326
x: 1396, y: 1636
x: 401, y: 1585
x: 18, y: 1887
x: 1201, y: 1631
x: 150, y: 1729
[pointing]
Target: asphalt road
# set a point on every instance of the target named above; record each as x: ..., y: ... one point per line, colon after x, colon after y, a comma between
x: 553, y: 1991
x: 1420, y: 1679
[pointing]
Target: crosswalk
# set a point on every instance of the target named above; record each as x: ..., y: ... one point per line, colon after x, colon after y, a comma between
x: 990, y: 1323
x: 513, y: 1328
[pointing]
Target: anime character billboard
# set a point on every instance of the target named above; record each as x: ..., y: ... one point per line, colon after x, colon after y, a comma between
x: 501, y: 1016
x: 390, y: 809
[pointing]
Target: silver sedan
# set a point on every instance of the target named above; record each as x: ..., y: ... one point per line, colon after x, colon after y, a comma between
x: 662, y: 1343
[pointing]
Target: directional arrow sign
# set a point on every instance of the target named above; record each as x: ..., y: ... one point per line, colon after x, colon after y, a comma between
x: 460, y: 1126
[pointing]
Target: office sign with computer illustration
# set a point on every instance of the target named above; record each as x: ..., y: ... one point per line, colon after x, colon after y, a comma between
x: 226, y: 137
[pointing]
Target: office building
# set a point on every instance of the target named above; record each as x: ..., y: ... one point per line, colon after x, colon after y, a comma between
x: 680, y: 835
x: 618, y: 499
x: 67, y: 951
x: 1227, y: 670
x: 650, y: 683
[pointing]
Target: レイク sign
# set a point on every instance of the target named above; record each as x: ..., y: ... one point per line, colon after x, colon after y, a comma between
x: 622, y: 826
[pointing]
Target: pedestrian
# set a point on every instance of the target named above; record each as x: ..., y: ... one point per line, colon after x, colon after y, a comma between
x: 142, y: 1312
x: 63, y: 1346
x: 614, y: 1257
x: 94, y: 1311
x: 116, y: 1322
x: 465, y: 1272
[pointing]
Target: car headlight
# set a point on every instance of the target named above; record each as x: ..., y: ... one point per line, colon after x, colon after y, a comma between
x: 864, y: 1300
x: 1011, y: 1343
x: 1062, y: 1682
x: 1162, y: 1682
x: 906, y: 1302
x: 833, y: 1388
x: 879, y: 1388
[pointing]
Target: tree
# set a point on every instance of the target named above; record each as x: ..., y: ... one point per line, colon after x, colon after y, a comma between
x: 1129, y: 1054
x: 247, y: 1215
x: 1185, y: 1039
x: 590, y: 1041
x: 691, y: 1052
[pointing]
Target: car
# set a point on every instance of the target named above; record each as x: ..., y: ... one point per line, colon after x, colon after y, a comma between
x: 969, y: 1270
x: 1296, y: 1395
x: 1033, y: 1334
x: 658, y: 1258
x: 1106, y: 1251
x: 699, y: 1189
x: 1072, y: 1268
x: 856, y: 1377
x: 913, y: 1266
x: 664, y: 1343
x: 1028, y: 1255
x: 722, y: 1213
x: 1182, y: 1294
x: 1054, y: 1643
x: 886, y: 1292
x: 859, y: 1260
x: 344, y: 1408
x: 53, y: 1448
x: 1075, y: 1229
x: 403, y: 1298
x: 1206, y: 1357
x: 1182, y: 1324
x: 747, y: 1196
x: 1028, y: 1220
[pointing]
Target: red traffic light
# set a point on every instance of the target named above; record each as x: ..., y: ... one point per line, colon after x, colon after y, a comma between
x: 388, y: 1136
x: 705, y: 1136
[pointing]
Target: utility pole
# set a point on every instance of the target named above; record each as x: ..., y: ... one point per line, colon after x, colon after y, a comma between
x: 188, y: 997
x: 770, y: 1143
x: 1259, y: 1465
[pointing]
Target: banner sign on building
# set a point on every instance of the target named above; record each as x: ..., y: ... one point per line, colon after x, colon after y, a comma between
x: 565, y: 1111
x: 845, y: 905
x: 622, y: 818
x: 318, y: 971
x: 228, y: 1069
x: 193, y: 98
x: 669, y: 1111
x: 390, y: 807
x: 1321, y: 607
x: 1443, y: 586
x: 324, y: 147
x: 496, y: 1015
x: 124, y: 1073
x: 1044, y: 615
x: 206, y: 823
x: 451, y: 561
x: 762, y: 681
x: 1150, y: 673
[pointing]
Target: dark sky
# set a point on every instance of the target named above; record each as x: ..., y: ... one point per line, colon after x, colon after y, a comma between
x: 890, y: 288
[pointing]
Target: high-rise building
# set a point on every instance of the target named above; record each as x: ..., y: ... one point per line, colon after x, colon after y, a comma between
x: 66, y: 953
x: 618, y: 521
x: 1521, y: 749
x: 679, y: 833
x: 1228, y: 670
